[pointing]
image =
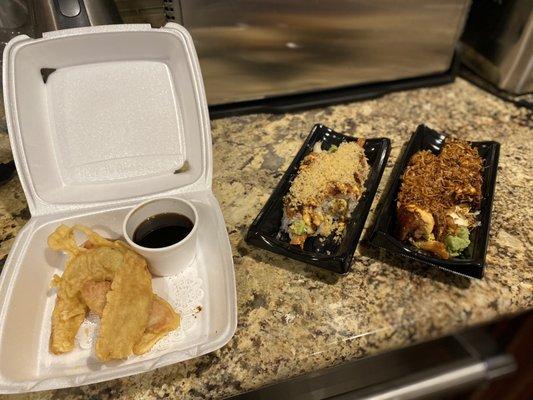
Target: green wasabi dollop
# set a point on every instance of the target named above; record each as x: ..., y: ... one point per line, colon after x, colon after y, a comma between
x: 298, y: 227
x: 455, y: 244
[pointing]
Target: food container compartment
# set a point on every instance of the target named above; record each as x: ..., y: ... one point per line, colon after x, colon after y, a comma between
x: 101, y: 119
x: 382, y: 234
x: 265, y: 229
x: 202, y: 294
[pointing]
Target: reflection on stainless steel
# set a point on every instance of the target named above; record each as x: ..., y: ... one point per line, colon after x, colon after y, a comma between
x: 102, y: 12
x: 142, y: 11
x: 13, y: 14
x: 441, y: 368
x: 498, y: 42
x: 432, y: 385
x: 69, y: 8
x: 16, y: 18
x: 250, y: 49
x: 52, y: 15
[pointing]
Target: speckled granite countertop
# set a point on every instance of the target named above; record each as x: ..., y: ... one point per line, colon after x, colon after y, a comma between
x: 294, y: 318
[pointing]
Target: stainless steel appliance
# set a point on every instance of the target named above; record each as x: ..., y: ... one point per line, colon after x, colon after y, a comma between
x: 256, y: 49
x: 464, y: 365
x: 498, y: 44
x: 16, y: 17
x: 276, y: 55
x: 142, y: 11
x: 52, y: 15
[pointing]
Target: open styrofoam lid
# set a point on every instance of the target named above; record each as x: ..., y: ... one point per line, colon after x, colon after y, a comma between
x: 104, y: 114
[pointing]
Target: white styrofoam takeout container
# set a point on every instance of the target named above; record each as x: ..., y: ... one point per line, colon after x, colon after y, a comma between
x: 122, y: 109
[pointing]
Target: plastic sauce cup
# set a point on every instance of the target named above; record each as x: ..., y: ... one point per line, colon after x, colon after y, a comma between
x: 169, y: 260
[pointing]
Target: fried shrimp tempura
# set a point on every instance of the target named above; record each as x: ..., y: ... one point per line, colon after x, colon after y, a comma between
x: 163, y: 319
x: 99, y: 263
x: 110, y: 279
x: 94, y: 293
x: 127, y: 309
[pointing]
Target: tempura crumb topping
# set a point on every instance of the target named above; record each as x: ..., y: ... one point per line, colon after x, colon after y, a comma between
x: 328, y: 173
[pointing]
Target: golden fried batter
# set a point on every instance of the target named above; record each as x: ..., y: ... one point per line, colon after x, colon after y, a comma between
x: 113, y: 281
x: 94, y: 295
x: 95, y: 264
x: 67, y: 317
x: 127, y: 310
x: 438, y: 183
x: 163, y: 319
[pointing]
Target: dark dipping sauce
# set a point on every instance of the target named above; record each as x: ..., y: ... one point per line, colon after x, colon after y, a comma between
x: 162, y: 230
